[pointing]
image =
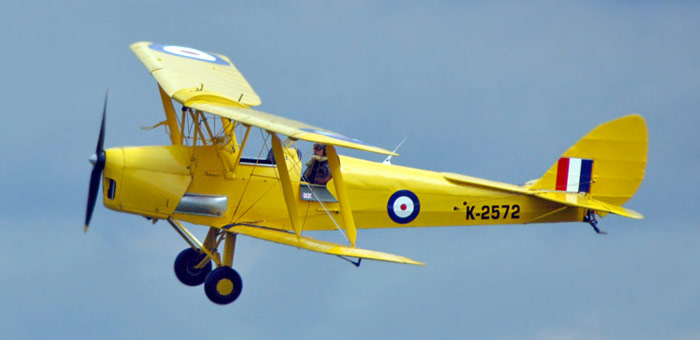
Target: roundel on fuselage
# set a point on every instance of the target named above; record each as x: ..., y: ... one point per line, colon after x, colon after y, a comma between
x: 403, y: 206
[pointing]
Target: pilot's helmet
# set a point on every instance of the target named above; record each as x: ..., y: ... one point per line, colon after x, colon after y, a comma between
x: 319, y: 146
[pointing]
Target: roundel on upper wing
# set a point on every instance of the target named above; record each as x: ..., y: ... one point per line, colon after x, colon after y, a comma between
x: 187, y: 52
x: 333, y: 135
x: 403, y: 206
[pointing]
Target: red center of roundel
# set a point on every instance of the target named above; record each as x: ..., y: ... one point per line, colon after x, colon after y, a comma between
x: 188, y: 52
x: 403, y: 206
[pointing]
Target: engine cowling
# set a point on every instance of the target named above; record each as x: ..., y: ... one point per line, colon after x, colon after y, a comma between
x: 146, y: 180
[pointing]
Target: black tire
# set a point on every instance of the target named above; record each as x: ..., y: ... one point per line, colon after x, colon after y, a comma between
x: 223, y: 285
x: 185, y: 267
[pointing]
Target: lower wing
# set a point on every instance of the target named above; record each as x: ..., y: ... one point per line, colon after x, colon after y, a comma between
x: 308, y: 243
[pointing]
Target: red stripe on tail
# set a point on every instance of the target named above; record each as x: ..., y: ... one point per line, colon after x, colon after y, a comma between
x: 562, y: 173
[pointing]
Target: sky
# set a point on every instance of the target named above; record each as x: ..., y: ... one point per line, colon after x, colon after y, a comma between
x: 489, y: 89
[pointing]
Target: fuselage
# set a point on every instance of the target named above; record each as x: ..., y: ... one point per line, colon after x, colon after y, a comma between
x: 152, y: 181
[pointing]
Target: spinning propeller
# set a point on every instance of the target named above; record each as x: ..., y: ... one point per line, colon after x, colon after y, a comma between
x: 98, y: 160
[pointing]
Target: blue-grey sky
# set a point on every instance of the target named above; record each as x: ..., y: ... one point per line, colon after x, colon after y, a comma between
x: 490, y: 89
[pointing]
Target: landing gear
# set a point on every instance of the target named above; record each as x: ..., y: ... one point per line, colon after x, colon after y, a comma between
x: 193, y: 265
x: 190, y: 269
x: 223, y: 285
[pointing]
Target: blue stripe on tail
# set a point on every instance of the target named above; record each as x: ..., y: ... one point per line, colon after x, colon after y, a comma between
x: 586, y: 172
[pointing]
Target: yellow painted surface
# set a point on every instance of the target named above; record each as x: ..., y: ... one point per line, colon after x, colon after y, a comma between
x: 173, y: 127
x: 224, y: 287
x: 283, y: 126
x: 584, y: 201
x: 222, y: 90
x: 291, y: 193
x: 256, y: 197
x: 263, y: 201
x: 150, y: 180
x: 317, y: 245
x: 341, y: 194
x: 176, y: 74
x: 229, y: 249
x: 619, y: 152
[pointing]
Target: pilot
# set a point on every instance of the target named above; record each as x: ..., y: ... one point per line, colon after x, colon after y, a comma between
x: 317, y: 169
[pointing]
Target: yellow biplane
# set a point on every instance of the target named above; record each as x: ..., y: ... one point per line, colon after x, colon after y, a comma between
x: 202, y: 177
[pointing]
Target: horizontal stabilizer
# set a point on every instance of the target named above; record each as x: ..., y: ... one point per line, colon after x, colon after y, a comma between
x: 567, y: 198
x: 309, y: 243
x: 581, y: 201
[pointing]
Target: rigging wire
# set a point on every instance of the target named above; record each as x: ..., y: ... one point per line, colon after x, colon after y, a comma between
x: 245, y: 188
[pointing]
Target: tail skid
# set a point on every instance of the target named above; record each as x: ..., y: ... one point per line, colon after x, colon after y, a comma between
x: 593, y: 221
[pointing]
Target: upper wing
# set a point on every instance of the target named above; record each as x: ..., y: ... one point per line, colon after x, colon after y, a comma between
x: 180, y: 71
x: 209, y: 82
x: 281, y: 125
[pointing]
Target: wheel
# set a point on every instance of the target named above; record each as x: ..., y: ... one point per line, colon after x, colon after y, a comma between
x: 223, y: 285
x: 185, y: 270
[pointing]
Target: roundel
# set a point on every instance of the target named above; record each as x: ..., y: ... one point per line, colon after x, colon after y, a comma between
x: 334, y: 135
x: 187, y: 52
x: 403, y: 206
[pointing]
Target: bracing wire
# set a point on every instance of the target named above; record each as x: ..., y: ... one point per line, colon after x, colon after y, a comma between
x: 245, y: 188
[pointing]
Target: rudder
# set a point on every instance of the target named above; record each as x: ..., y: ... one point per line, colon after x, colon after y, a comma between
x: 609, y: 162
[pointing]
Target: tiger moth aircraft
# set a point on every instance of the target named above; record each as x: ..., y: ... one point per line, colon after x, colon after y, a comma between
x: 202, y: 178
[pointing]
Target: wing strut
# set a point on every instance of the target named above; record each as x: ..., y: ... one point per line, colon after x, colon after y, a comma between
x: 175, y: 133
x: 287, y: 188
x: 345, y: 209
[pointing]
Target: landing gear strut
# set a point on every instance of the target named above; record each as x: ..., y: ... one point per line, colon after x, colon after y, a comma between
x: 193, y: 265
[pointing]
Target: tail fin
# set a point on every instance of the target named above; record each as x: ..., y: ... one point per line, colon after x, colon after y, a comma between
x: 608, y: 162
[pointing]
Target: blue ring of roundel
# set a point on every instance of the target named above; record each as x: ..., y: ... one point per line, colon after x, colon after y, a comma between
x: 334, y: 135
x: 217, y: 60
x: 397, y: 195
